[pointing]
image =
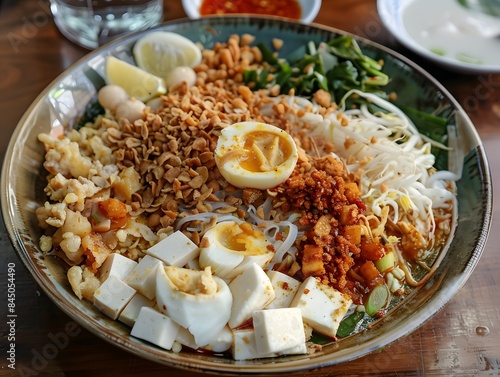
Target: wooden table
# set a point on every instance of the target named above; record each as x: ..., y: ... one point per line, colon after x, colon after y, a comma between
x: 48, y: 343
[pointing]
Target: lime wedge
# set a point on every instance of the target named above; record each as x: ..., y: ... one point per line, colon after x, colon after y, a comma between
x: 160, y: 52
x: 137, y: 83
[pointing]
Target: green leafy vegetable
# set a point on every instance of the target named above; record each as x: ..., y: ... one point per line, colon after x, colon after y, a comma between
x: 336, y: 67
x: 348, y: 325
x: 435, y: 128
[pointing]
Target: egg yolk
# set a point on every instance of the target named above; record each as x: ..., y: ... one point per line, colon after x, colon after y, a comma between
x: 262, y: 152
x: 239, y: 238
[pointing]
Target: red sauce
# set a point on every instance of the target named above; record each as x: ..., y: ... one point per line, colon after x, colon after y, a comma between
x: 282, y: 8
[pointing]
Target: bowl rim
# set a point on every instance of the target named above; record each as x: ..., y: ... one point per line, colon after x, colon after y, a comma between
x: 152, y: 353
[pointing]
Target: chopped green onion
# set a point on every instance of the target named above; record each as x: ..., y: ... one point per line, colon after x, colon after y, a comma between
x: 465, y: 58
x: 386, y: 262
x: 377, y: 299
x: 267, y: 54
x: 398, y: 273
x: 438, y: 51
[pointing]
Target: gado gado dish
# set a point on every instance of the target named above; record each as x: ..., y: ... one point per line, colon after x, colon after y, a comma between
x: 229, y: 200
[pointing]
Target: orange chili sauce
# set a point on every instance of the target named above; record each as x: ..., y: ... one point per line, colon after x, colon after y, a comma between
x: 282, y: 8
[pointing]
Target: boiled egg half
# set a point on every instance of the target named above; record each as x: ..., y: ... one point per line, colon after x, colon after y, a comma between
x: 255, y: 155
x: 229, y: 248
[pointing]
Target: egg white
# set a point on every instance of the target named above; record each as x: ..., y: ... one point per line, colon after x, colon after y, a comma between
x: 204, y: 315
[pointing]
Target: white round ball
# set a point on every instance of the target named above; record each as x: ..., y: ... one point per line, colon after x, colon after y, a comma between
x: 180, y: 74
x: 110, y: 96
x: 131, y: 109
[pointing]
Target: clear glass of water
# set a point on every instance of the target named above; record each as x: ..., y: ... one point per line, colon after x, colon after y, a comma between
x: 91, y: 23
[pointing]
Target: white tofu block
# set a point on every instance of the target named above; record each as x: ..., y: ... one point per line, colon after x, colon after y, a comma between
x: 322, y: 306
x: 155, y: 328
x: 116, y: 265
x: 245, y: 348
x: 175, y: 250
x: 252, y: 290
x: 285, y: 287
x: 143, y: 276
x: 131, y: 311
x: 277, y: 330
x: 112, y: 296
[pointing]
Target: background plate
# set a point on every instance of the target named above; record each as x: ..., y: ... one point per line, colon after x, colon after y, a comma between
x: 391, y: 14
x: 61, y: 102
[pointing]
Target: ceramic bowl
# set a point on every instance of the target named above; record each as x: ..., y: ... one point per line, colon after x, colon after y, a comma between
x: 59, y: 105
x: 310, y: 9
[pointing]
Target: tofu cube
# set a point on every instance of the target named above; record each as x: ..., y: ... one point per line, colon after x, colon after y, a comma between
x: 116, y: 265
x: 322, y: 306
x: 130, y: 313
x: 277, y: 330
x: 155, y: 328
x: 284, y: 287
x: 175, y: 250
x: 143, y: 276
x: 245, y: 347
x: 252, y: 290
x: 112, y: 296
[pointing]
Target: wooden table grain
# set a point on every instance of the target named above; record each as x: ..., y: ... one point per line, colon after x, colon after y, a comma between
x: 463, y: 339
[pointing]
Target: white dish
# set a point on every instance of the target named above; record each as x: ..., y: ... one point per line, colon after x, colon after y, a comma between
x: 445, y: 32
x: 310, y: 9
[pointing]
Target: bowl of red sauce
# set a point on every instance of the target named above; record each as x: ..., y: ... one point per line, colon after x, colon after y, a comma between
x: 301, y: 10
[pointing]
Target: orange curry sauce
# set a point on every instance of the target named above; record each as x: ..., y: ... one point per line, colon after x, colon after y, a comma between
x: 282, y: 8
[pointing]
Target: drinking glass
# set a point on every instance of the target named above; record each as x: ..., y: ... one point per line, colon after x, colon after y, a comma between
x: 91, y: 23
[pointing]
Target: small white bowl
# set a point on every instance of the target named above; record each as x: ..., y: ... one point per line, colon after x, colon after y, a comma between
x: 310, y: 9
x: 391, y: 14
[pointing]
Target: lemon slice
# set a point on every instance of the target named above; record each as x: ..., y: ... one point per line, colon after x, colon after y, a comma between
x: 137, y: 83
x: 160, y: 52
